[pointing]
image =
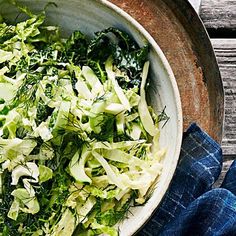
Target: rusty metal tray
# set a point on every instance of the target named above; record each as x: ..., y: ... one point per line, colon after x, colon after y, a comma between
x: 180, y: 33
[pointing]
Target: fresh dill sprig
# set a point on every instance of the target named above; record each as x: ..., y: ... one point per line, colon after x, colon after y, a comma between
x: 163, y: 117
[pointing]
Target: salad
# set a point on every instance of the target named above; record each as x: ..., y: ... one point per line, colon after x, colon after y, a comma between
x: 78, y: 142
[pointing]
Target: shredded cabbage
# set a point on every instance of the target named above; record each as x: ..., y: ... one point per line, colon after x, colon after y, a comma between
x: 78, y: 141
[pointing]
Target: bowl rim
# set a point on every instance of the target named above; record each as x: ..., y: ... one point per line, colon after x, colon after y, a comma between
x: 134, y: 228
x: 176, y: 93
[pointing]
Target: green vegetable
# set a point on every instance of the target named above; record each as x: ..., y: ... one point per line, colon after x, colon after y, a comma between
x: 78, y: 141
x: 144, y: 113
x: 45, y: 173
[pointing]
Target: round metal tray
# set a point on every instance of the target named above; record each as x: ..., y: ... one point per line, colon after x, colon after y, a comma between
x: 180, y: 33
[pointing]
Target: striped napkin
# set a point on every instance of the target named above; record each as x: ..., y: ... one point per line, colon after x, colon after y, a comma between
x: 191, y: 206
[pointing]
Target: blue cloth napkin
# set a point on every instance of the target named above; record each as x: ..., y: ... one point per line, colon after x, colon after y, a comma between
x: 191, y: 206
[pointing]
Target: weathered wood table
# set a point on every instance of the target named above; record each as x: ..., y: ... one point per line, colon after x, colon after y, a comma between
x: 219, y: 18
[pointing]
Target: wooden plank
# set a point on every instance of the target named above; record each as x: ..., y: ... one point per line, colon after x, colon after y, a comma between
x: 219, y: 15
x: 225, y: 168
x: 225, y: 50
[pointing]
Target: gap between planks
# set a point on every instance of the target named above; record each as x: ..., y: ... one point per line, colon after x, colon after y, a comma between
x: 219, y: 17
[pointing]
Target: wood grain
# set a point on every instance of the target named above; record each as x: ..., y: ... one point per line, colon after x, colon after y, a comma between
x: 225, y: 168
x: 219, y: 14
x: 225, y: 50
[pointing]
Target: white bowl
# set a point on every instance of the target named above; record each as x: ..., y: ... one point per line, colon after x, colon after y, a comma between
x: 90, y: 16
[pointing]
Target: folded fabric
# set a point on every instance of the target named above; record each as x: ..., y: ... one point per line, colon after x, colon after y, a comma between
x: 191, y: 206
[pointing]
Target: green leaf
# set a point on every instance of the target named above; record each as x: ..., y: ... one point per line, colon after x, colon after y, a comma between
x: 76, y: 48
x: 77, y: 166
x: 45, y: 173
x: 22, y: 196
